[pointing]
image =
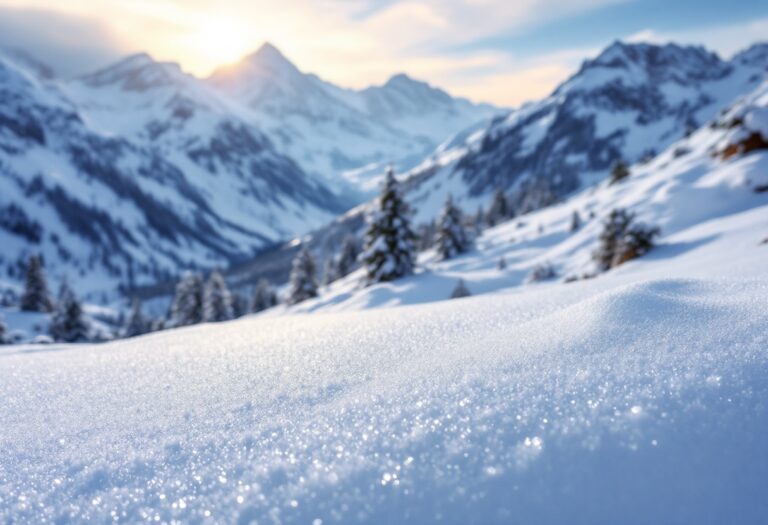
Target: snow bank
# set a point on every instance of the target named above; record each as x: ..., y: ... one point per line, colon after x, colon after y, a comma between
x: 619, y: 403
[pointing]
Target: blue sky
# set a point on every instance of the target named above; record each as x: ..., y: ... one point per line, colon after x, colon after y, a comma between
x: 594, y: 27
x: 502, y: 51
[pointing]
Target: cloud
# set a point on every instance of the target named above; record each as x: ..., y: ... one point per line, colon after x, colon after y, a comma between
x: 70, y: 44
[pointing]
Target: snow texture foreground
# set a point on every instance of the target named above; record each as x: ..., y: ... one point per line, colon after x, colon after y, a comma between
x: 595, y: 402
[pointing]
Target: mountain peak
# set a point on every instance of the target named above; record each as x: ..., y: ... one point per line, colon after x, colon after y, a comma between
x: 137, y: 72
x: 270, y: 58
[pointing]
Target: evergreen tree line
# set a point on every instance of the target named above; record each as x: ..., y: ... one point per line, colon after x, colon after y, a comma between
x: 388, y: 253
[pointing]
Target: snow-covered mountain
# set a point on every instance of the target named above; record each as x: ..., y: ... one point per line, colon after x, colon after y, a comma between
x: 708, y: 194
x: 134, y: 173
x: 345, y: 136
x: 630, y: 102
x: 632, y: 397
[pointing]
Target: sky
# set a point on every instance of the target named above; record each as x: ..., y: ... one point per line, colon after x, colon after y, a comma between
x: 499, y: 51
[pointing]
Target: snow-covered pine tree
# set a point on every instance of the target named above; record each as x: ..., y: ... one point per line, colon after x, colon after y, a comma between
x: 217, y: 301
x: 498, y: 210
x: 263, y: 297
x: 389, y: 241
x: 187, y: 307
x: 347, y: 260
x: 619, y: 171
x: 137, y: 323
x: 452, y: 238
x: 36, y: 297
x: 68, y: 323
x: 303, y: 283
x: 4, y: 336
x: 575, y: 221
x: 461, y: 290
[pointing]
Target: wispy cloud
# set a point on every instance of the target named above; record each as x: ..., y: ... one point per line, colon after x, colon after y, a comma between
x: 351, y: 42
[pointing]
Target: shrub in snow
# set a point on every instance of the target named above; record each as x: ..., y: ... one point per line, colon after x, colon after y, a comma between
x: 68, y: 323
x: 619, y: 171
x: 263, y: 297
x: 541, y: 272
x: 452, y: 238
x: 622, y: 240
x: 303, y: 283
x: 36, y: 297
x: 389, y: 250
x: 498, y: 211
x: 187, y: 307
x: 575, y: 221
x: 217, y: 301
x: 137, y: 323
x: 461, y: 290
x: 347, y: 260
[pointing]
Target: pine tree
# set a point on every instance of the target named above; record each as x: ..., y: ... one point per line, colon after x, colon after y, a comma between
x: 498, y: 211
x: 5, y: 337
x: 36, y: 297
x: 575, y: 221
x: 68, y: 323
x: 137, y: 323
x: 187, y: 307
x: 389, y: 250
x: 263, y: 297
x: 461, y: 290
x: 347, y: 260
x: 619, y: 171
x: 452, y: 238
x: 303, y: 283
x: 217, y: 301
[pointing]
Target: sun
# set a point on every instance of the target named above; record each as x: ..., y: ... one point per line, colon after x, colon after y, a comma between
x: 220, y: 42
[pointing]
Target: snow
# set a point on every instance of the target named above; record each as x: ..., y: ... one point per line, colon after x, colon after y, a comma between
x: 634, y: 396
x: 637, y: 396
x: 637, y: 408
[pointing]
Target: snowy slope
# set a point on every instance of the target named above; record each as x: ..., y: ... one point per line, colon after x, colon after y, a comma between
x: 630, y: 102
x: 111, y: 202
x: 705, y: 202
x: 634, y: 398
x: 344, y: 136
x: 633, y: 99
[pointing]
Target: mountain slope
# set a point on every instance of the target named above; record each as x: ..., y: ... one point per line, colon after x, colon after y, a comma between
x: 708, y: 193
x: 630, y: 102
x: 630, y: 399
x: 136, y: 173
x: 342, y: 136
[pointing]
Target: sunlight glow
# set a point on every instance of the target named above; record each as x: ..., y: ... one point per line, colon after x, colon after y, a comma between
x: 221, y: 42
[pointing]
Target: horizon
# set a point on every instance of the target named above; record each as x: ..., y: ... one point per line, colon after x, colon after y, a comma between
x: 522, y: 53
